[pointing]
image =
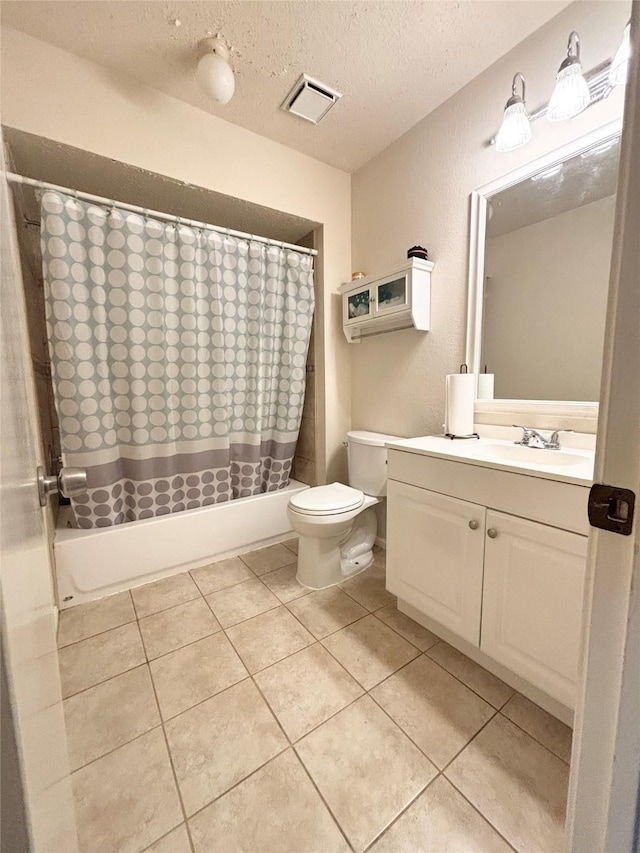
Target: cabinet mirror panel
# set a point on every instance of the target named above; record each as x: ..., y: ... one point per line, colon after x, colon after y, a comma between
x: 545, y: 276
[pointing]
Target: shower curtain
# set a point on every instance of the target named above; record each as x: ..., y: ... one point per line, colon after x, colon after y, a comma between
x: 178, y: 359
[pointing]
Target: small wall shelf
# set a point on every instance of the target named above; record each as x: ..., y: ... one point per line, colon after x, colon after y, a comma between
x: 401, y: 299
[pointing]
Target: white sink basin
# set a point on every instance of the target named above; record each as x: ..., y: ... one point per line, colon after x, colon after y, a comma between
x: 528, y: 455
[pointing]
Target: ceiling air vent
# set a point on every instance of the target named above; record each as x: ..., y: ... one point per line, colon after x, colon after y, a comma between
x: 310, y: 99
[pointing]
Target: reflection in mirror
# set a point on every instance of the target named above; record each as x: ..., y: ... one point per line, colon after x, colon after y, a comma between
x: 546, y: 275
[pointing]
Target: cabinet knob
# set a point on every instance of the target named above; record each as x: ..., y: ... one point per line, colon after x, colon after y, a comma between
x: 474, y: 525
x: 492, y: 533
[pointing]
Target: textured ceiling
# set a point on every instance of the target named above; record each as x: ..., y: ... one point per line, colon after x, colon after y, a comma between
x: 394, y: 61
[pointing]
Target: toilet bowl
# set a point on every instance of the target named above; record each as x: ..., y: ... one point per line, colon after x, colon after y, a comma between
x: 336, y: 524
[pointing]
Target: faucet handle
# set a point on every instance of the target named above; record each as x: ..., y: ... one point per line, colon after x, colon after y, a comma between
x: 527, y: 434
x: 553, y: 438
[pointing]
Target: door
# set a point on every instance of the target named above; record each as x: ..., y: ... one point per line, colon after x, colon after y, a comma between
x: 603, y: 810
x: 33, y: 722
x: 435, y: 548
x: 532, y: 602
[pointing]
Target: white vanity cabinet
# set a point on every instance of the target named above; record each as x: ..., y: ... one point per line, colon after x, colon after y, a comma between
x: 435, y: 551
x: 508, y: 585
x: 532, y: 601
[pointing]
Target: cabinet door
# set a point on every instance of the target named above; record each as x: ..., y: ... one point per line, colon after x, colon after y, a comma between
x: 357, y: 305
x: 532, y: 603
x: 391, y: 294
x: 435, y: 548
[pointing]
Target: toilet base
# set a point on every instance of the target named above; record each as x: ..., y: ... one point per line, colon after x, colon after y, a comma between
x: 327, y: 561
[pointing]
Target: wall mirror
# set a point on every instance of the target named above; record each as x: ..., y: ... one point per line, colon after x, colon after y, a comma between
x: 541, y: 240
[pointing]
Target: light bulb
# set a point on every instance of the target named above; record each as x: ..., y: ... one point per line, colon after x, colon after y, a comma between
x: 571, y: 94
x: 620, y: 65
x: 214, y: 73
x: 515, y: 129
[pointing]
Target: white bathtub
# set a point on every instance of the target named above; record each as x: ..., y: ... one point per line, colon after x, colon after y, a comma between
x: 93, y: 563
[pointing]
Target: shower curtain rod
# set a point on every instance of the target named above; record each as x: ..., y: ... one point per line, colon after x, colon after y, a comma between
x: 13, y: 178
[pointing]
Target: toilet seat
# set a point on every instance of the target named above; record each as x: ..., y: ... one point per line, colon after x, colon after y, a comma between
x: 327, y: 500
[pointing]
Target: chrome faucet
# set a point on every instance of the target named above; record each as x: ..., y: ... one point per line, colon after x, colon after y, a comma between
x: 532, y: 438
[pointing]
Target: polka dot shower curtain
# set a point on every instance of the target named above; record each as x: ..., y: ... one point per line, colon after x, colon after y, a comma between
x: 178, y: 358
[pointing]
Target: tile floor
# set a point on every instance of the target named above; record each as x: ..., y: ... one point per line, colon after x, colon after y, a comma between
x: 230, y: 709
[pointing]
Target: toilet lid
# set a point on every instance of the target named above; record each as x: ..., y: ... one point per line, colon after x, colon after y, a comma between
x: 325, y: 500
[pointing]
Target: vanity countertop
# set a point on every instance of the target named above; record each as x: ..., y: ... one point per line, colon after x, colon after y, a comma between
x: 567, y: 465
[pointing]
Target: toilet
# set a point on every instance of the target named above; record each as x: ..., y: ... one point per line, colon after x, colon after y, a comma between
x: 337, y: 524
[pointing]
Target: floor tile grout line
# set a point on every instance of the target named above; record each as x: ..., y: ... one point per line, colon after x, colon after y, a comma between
x: 184, y: 646
x: 228, y: 586
x: 483, y: 816
x: 537, y: 740
x: 171, y: 606
x: 162, y: 837
x: 401, y: 813
x: 116, y: 748
x: 171, y: 764
x: 326, y: 804
x: 104, y: 681
x: 469, y: 742
x: 468, y: 686
x: 98, y: 634
x: 239, y: 782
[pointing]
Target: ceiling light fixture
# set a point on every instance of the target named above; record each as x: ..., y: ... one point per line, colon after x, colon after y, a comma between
x: 571, y: 94
x: 515, y: 130
x: 214, y: 73
x: 620, y: 65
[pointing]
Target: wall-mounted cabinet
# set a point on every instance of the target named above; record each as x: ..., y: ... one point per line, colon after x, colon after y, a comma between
x: 401, y: 299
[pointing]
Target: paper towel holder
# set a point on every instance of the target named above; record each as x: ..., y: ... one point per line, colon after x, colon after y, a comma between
x: 463, y: 369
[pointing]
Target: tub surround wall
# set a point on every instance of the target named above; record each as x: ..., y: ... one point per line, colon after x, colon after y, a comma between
x: 305, y: 467
x: 52, y: 93
x: 417, y: 191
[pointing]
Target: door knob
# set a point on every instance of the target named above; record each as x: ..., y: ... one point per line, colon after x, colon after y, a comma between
x: 474, y: 525
x: 69, y: 483
x: 492, y: 533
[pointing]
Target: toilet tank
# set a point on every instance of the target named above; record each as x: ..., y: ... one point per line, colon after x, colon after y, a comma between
x: 367, y: 457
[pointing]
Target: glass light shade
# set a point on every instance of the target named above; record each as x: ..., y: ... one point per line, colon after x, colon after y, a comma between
x: 515, y: 129
x: 571, y: 94
x: 620, y: 65
x: 215, y: 76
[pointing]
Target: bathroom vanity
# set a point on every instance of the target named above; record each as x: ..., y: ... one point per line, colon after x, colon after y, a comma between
x: 486, y: 546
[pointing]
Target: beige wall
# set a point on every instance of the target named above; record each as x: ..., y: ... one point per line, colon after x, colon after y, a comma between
x: 52, y: 93
x: 545, y: 303
x: 417, y: 191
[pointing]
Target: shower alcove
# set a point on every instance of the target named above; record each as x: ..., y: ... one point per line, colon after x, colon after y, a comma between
x: 96, y: 562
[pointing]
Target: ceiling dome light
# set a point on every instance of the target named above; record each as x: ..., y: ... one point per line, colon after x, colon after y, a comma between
x: 515, y: 130
x: 620, y: 65
x: 571, y: 94
x: 214, y: 73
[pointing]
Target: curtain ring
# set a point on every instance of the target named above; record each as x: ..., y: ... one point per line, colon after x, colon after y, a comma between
x: 145, y: 214
x: 177, y: 223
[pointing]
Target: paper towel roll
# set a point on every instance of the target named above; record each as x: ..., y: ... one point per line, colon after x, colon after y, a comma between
x: 460, y: 397
x: 485, y: 386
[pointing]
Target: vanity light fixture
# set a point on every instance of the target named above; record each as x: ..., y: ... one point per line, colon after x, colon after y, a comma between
x: 515, y: 130
x: 620, y: 65
x: 571, y: 94
x: 548, y: 173
x: 214, y: 73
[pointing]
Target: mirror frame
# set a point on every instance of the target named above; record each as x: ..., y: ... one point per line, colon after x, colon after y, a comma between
x: 582, y: 410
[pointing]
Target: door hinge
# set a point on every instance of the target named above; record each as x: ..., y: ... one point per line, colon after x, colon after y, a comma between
x: 611, y: 508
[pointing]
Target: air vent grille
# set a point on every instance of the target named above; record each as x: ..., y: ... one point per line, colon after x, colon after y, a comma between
x: 310, y: 99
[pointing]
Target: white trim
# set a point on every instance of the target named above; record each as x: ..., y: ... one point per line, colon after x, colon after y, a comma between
x: 477, y: 234
x: 603, y: 805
